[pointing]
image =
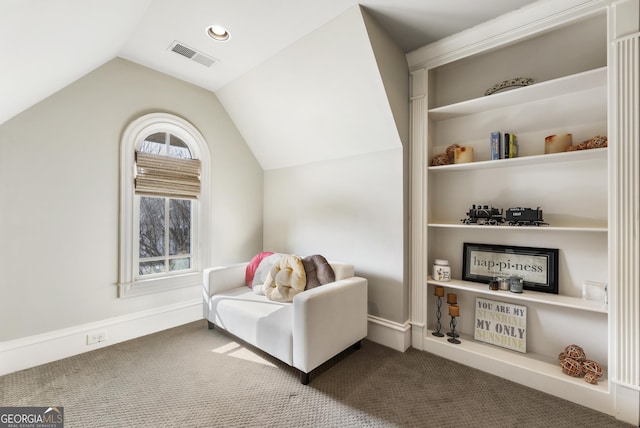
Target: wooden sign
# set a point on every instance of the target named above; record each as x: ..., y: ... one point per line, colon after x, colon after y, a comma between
x: 537, y: 266
x: 501, y: 324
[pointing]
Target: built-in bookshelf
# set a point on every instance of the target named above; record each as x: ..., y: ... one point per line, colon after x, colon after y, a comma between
x: 576, y: 83
x: 542, y: 159
x: 572, y: 189
x: 578, y: 303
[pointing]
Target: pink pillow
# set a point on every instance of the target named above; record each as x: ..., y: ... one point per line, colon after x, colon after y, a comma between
x: 253, y: 265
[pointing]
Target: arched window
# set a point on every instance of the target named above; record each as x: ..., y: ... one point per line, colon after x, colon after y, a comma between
x: 164, y: 202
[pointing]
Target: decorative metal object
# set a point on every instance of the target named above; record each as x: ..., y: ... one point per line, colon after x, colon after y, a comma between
x: 515, y: 284
x: 509, y: 84
x: 438, y: 293
x: 454, y: 336
x: 438, y: 315
x: 454, y: 311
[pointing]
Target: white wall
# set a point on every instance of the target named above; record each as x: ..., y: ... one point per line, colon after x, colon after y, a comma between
x: 348, y: 210
x: 327, y: 118
x: 59, y: 169
x: 320, y: 98
x: 394, y: 73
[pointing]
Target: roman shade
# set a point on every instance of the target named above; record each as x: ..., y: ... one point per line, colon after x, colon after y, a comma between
x: 165, y: 176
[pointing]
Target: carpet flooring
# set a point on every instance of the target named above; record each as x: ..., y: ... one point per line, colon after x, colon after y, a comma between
x: 190, y: 376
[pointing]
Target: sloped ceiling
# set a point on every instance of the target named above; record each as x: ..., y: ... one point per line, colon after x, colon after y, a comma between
x: 320, y: 98
x: 262, y: 28
x: 45, y: 49
x: 299, y: 77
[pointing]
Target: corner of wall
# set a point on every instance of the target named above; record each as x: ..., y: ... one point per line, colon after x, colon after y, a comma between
x: 394, y: 72
x: 388, y: 333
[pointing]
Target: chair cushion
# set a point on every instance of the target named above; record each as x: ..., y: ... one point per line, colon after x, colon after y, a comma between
x: 256, y: 320
x: 265, y: 267
x: 253, y: 266
x: 286, y: 279
x: 318, y: 270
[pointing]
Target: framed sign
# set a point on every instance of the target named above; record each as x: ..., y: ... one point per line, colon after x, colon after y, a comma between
x: 501, y: 324
x: 537, y: 266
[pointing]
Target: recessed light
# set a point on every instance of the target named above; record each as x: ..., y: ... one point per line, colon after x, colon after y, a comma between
x: 218, y: 32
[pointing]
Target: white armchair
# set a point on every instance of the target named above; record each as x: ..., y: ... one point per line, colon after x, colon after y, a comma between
x: 319, y: 323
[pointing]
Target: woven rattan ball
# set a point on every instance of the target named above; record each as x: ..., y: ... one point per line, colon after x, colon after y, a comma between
x: 597, y: 142
x: 592, y: 367
x: 591, y: 378
x: 562, y: 355
x: 571, y: 367
x: 575, y: 352
x: 451, y: 150
x: 441, y: 159
x: 594, y: 143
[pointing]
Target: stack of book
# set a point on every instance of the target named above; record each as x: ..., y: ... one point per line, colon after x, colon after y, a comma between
x: 504, y: 145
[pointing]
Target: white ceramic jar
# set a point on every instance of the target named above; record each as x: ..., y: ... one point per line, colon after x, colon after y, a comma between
x: 441, y: 270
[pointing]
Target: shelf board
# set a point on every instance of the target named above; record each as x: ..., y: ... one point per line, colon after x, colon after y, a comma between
x: 539, y: 369
x: 536, y: 92
x: 459, y: 225
x: 574, y: 156
x: 526, y: 296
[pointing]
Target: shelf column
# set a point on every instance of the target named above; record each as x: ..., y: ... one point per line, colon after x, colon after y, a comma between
x: 624, y: 206
x: 418, y: 211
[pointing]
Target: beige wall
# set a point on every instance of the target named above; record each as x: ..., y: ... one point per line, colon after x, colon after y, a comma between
x: 348, y: 210
x: 320, y: 98
x: 394, y: 72
x: 59, y: 169
x: 327, y: 117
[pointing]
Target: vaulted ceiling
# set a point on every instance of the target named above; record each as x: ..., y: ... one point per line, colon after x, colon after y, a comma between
x: 287, y: 54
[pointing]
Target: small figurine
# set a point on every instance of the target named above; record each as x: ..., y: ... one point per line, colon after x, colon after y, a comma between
x: 483, y: 214
x: 520, y: 216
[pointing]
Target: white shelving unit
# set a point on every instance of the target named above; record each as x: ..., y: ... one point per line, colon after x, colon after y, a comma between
x: 542, y: 229
x: 577, y: 155
x: 537, y: 371
x: 526, y: 296
x: 572, y: 188
x: 579, y: 82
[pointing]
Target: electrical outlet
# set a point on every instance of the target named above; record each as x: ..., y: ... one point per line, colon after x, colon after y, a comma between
x: 97, y: 337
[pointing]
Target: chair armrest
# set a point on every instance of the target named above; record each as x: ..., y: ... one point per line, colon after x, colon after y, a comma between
x: 223, y: 278
x: 342, y: 270
x: 327, y: 320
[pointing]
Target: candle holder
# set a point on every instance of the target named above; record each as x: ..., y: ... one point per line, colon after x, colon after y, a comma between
x: 454, y: 311
x: 452, y: 298
x: 438, y: 315
x: 453, y: 339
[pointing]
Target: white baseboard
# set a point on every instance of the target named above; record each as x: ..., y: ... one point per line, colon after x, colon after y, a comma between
x: 389, y: 333
x: 627, y: 403
x: 27, y: 352
x: 418, y: 332
x: 23, y: 353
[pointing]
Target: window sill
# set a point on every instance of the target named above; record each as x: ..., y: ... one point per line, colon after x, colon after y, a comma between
x: 156, y: 285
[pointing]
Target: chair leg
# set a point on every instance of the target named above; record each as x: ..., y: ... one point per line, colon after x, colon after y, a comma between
x: 210, y: 325
x: 304, y: 378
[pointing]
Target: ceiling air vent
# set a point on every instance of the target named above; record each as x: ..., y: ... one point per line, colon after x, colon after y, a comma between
x: 192, y: 54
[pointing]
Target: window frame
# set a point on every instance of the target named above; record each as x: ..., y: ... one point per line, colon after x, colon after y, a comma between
x: 167, y: 256
x: 129, y: 285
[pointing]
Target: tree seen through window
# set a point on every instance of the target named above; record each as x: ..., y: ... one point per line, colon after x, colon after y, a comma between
x: 165, y: 232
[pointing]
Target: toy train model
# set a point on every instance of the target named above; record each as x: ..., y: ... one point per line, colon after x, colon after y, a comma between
x: 518, y: 216
x: 484, y: 214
